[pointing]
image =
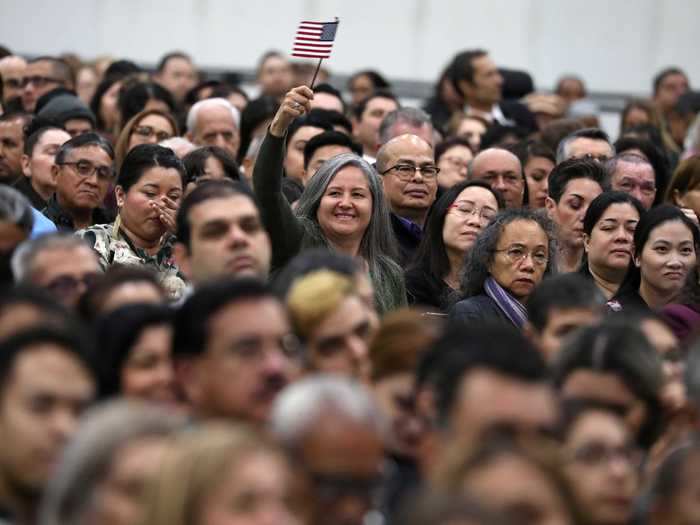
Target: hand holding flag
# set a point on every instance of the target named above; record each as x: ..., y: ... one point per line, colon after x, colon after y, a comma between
x: 315, y: 40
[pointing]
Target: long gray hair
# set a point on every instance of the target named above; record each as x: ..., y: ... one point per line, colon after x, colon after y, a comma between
x: 480, y: 257
x: 378, y: 240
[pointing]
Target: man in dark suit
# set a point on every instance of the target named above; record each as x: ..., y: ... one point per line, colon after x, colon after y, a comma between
x: 477, y: 78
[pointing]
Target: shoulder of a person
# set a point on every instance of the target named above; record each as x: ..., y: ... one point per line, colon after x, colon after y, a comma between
x: 474, y: 306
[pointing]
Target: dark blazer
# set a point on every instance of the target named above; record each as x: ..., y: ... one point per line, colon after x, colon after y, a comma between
x: 477, y: 308
x: 408, y: 242
x: 519, y: 114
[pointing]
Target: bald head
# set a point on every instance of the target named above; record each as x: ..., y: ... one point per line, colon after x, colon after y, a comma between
x: 399, y: 146
x: 12, y: 72
x: 502, y: 170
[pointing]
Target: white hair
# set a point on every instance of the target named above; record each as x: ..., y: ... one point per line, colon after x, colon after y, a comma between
x: 23, y: 258
x: 180, y: 146
x: 299, y: 406
x: 211, y: 103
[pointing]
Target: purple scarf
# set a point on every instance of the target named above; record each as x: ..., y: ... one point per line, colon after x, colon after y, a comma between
x: 510, y: 306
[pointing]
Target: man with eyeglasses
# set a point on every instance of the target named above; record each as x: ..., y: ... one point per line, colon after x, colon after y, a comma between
x: 60, y: 263
x: 332, y: 427
x: 42, y: 75
x: 12, y: 145
x: 588, y: 143
x: 234, y: 351
x: 633, y: 174
x: 83, y: 173
x: 409, y: 177
x: 12, y: 72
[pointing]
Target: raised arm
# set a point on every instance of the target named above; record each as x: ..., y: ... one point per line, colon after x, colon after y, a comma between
x: 283, y: 227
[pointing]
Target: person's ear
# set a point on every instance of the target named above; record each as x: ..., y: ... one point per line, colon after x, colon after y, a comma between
x: 188, y: 374
x: 550, y: 206
x: 637, y: 260
x: 120, y: 196
x: 586, y: 242
x: 182, y: 259
x: 54, y: 172
x: 25, y: 166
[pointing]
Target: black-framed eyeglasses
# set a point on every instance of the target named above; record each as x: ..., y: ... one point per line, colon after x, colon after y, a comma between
x: 405, y: 172
x: 40, y: 81
x: 85, y: 168
x: 67, y: 284
x: 13, y: 83
x: 150, y: 131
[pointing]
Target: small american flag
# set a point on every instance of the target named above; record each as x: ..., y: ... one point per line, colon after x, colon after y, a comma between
x: 314, y: 39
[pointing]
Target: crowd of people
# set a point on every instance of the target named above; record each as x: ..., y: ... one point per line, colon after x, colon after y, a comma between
x: 312, y: 304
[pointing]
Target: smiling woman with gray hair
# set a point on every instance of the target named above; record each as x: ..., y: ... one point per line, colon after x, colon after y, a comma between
x: 342, y: 208
x: 507, y: 261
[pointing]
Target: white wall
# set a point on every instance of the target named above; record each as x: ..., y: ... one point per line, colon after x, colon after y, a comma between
x: 615, y: 46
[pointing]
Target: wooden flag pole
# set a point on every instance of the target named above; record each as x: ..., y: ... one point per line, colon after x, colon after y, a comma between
x: 318, y: 68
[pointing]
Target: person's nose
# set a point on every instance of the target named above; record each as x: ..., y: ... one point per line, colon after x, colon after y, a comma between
x: 357, y: 348
x: 674, y: 262
x: 637, y: 193
x: 527, y: 264
x: 499, y: 183
x: 64, y: 423
x: 474, y: 219
x: 238, y: 236
x: 165, y: 374
x: 220, y: 141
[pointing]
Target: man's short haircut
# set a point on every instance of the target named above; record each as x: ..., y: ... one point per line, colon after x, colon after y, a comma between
x: 61, y: 69
x: 464, y: 348
x: 529, y: 149
x: 629, y: 158
x: 93, y: 300
x: 33, y: 133
x: 462, y: 67
x: 334, y: 118
x: 414, y: 117
x: 571, y: 169
x: 359, y: 109
x: 329, y: 138
x: 191, y: 336
x: 211, y: 103
x: 25, y: 117
x: 564, y: 292
x: 73, y: 338
x: 210, y: 189
x: 661, y: 76
x: 168, y: 56
x: 15, y: 209
x: 330, y: 90
x: 299, y: 407
x: 83, y: 141
x: 315, y: 118
x: 196, y: 160
x: 585, y: 133
x: 23, y: 258
x: 617, y: 347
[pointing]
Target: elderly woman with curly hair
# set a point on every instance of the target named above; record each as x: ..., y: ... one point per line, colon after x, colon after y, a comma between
x: 508, y: 260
